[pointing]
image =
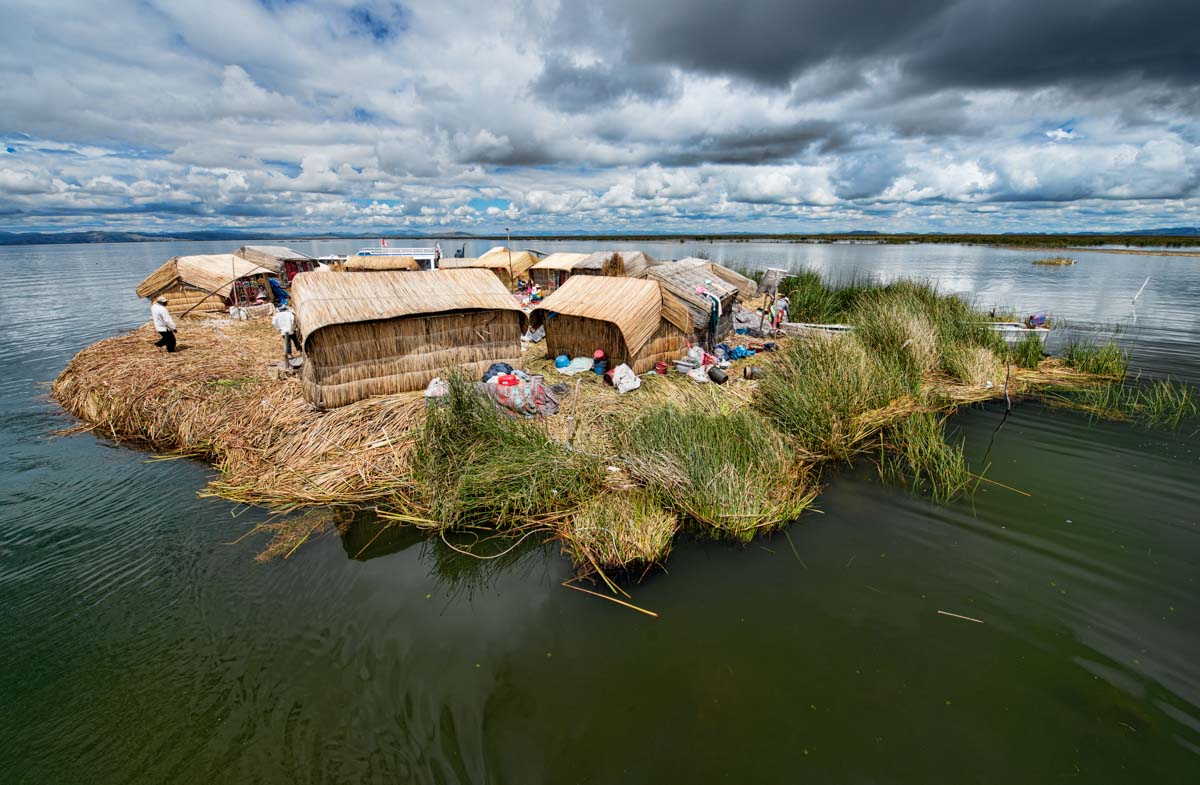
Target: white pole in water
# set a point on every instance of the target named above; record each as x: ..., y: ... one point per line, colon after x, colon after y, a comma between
x: 1139, y: 291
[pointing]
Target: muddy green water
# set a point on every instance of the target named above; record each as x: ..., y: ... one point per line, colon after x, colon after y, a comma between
x: 141, y: 647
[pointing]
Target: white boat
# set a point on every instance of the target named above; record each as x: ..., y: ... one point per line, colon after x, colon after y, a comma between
x: 803, y: 328
x: 1015, y: 332
x: 426, y: 258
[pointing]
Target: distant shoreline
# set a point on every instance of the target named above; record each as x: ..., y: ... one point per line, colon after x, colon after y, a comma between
x: 1085, y: 249
x: 1164, y: 242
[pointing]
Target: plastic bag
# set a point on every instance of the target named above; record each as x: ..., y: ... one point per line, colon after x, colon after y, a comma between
x: 624, y: 379
x: 699, y: 375
x: 437, y: 388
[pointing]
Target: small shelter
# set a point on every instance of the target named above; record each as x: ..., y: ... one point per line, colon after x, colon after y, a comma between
x: 554, y: 270
x: 392, y: 332
x: 709, y: 298
x: 206, y: 283
x: 379, y: 263
x: 506, y: 266
x: 634, y: 321
x: 746, y: 287
x: 284, y: 262
x: 630, y: 264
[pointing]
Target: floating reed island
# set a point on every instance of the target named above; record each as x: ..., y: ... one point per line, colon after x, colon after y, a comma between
x: 1054, y: 261
x: 612, y: 477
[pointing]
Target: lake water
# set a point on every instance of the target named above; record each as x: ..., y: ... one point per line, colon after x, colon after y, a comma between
x: 142, y: 646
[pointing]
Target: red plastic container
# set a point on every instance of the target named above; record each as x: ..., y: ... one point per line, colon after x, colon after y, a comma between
x: 507, y: 380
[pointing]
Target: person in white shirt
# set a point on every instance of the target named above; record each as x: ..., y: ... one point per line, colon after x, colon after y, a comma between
x: 285, y: 323
x: 163, y: 324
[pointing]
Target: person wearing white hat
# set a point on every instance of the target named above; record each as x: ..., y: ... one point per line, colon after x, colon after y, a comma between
x: 285, y: 323
x: 163, y: 324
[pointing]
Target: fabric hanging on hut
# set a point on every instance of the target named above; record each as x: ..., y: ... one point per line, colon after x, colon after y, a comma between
x: 277, y: 289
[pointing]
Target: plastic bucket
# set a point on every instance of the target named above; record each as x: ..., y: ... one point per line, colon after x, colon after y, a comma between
x: 717, y: 375
x: 752, y: 372
x: 660, y: 368
x: 599, y: 367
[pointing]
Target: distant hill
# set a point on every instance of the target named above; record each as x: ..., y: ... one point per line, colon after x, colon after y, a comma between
x: 1073, y: 238
x: 1178, y: 231
x: 68, y: 238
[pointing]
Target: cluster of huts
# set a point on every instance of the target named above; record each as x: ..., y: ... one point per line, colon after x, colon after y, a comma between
x: 390, y: 328
x: 208, y: 283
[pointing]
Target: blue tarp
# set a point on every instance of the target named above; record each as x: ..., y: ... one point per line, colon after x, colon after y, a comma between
x: 280, y: 294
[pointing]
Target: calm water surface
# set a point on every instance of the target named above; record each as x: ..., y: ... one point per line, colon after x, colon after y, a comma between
x: 143, y: 647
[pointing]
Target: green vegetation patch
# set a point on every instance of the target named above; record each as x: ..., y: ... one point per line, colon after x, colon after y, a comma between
x: 731, y: 473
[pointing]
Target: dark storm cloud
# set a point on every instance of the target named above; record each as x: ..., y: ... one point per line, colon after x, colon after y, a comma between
x: 981, y: 43
x: 575, y: 88
x: 757, y: 146
x: 1032, y: 42
x: 766, y: 41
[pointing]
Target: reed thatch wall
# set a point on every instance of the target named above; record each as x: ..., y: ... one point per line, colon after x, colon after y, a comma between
x: 182, y: 299
x: 631, y: 264
x: 209, y: 273
x: 635, y: 321
x: 379, y: 333
x: 379, y: 263
x: 684, y: 280
x: 349, y: 362
x: 555, y: 269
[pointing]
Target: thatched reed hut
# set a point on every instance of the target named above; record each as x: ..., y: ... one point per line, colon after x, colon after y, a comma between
x: 554, y: 270
x: 746, y: 287
x: 506, y: 266
x: 389, y: 332
x: 634, y: 321
x: 379, y: 263
x: 630, y: 264
x: 206, y: 283
x: 286, y: 263
x: 712, y: 316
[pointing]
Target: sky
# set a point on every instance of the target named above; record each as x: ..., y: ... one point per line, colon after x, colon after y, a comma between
x: 593, y: 116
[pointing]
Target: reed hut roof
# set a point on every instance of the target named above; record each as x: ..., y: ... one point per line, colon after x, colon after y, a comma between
x: 634, y: 305
x: 323, y: 300
x: 498, y: 259
x: 459, y: 263
x: 379, y: 262
x: 279, y: 252
x: 683, y: 280
x: 746, y: 287
x: 214, y: 273
x: 560, y: 261
x: 632, y: 264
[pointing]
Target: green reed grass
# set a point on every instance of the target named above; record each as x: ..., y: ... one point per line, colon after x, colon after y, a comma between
x: 1107, y: 359
x: 1027, y: 352
x: 476, y: 466
x: 916, y: 455
x: 731, y: 473
x: 818, y: 390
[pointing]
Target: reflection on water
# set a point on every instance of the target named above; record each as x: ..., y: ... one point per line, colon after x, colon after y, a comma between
x: 149, y: 649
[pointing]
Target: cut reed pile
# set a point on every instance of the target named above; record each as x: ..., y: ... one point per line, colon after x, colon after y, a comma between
x: 612, y: 477
x: 222, y: 398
